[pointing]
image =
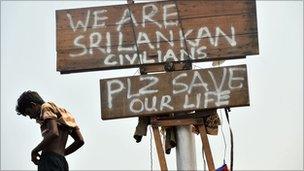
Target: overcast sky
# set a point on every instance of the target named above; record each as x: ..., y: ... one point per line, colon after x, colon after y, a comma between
x: 268, y: 134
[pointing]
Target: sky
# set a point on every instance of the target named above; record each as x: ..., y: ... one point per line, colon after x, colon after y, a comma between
x: 268, y: 135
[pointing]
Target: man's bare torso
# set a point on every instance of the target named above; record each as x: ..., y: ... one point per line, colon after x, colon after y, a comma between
x: 59, y: 143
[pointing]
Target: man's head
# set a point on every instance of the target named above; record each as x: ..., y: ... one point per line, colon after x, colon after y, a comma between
x: 29, y: 104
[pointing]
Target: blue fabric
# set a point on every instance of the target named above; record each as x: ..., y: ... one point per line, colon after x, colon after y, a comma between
x: 223, y: 168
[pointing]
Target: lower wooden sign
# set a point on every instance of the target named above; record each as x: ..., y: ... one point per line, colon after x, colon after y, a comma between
x: 179, y: 91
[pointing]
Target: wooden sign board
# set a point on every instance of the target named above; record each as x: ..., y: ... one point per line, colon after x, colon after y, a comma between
x: 131, y: 35
x: 174, y: 92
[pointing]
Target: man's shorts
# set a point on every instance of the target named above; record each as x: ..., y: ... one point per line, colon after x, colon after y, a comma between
x: 51, y: 161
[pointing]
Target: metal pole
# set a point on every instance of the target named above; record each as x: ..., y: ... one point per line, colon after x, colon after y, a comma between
x: 185, y: 149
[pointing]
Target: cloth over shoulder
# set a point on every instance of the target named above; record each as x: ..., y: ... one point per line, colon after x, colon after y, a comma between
x: 50, y: 110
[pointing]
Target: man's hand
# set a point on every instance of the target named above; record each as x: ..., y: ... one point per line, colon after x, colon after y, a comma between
x: 35, y: 156
x: 52, y: 134
x: 78, y: 141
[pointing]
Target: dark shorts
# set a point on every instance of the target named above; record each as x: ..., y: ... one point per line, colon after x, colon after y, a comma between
x: 51, y: 161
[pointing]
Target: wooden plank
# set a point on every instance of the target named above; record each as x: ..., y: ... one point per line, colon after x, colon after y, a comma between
x: 161, y: 67
x: 206, y: 147
x: 178, y: 122
x: 208, y: 30
x: 241, y: 23
x: 159, y: 148
x: 178, y: 91
x: 116, y: 60
x: 187, y: 9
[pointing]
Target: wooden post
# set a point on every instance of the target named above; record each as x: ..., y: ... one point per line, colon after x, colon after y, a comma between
x: 160, y: 150
x: 206, y: 147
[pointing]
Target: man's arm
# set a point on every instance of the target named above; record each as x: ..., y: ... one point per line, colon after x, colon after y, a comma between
x: 51, y: 134
x: 78, y: 141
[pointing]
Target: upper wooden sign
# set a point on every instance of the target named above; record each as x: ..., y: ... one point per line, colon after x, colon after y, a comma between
x: 178, y: 91
x: 131, y: 35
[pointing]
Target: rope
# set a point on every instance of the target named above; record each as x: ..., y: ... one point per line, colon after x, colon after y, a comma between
x: 151, y: 147
x: 204, y: 159
x: 223, y: 135
x: 227, y: 110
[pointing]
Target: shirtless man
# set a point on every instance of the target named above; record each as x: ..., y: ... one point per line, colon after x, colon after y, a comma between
x: 56, y: 125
